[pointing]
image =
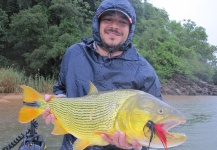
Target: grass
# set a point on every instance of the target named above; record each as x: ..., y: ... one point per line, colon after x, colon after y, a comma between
x: 10, y: 81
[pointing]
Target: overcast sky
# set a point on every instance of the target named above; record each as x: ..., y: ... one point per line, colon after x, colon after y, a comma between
x: 202, y: 12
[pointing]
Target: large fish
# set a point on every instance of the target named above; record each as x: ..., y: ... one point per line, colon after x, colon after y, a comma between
x: 139, y: 115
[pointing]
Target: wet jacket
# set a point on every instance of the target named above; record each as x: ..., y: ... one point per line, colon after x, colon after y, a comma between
x: 82, y: 63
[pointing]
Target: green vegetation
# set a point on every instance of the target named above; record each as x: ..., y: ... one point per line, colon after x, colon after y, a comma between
x: 35, y: 34
x: 10, y: 81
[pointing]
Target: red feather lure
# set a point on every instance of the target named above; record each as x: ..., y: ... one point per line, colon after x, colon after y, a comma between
x: 159, y: 131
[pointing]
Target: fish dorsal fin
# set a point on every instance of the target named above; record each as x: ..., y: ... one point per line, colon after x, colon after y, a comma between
x: 93, y: 88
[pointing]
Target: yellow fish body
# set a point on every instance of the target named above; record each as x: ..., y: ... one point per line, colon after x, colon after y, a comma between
x: 106, y: 112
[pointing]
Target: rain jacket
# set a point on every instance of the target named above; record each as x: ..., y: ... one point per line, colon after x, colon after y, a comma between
x: 82, y: 63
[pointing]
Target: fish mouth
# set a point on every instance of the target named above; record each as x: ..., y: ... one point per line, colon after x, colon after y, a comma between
x: 173, y: 138
x: 167, y: 125
x: 170, y: 139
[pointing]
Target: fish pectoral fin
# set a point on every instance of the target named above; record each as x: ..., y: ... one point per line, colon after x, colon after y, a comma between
x: 26, y: 114
x: 80, y: 144
x: 58, y: 129
x: 98, y: 140
x: 110, y: 135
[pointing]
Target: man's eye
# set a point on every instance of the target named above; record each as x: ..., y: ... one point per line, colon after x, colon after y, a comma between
x: 122, y: 22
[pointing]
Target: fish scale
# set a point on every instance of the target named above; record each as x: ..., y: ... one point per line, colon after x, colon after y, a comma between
x: 97, y: 115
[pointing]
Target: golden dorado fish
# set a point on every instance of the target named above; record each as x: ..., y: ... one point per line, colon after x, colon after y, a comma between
x: 130, y: 111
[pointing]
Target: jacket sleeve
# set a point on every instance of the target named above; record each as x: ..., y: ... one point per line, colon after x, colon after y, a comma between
x: 153, y: 87
x: 59, y: 87
x: 150, y: 82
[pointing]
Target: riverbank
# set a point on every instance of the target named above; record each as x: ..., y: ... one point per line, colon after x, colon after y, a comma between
x: 181, y: 85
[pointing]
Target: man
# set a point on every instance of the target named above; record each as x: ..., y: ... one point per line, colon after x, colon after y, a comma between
x: 110, y: 61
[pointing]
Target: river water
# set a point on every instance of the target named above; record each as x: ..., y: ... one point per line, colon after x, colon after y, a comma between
x: 200, y: 128
x: 201, y: 125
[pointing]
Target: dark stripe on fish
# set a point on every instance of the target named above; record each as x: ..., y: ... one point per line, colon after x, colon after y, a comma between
x: 34, y: 104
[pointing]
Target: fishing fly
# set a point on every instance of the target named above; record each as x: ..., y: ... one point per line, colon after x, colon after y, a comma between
x: 150, y: 124
x: 156, y: 129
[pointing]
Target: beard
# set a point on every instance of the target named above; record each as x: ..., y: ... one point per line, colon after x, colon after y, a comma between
x: 110, y: 47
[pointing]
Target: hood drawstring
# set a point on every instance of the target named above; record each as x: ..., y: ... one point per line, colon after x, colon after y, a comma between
x: 110, y: 55
x: 110, y: 59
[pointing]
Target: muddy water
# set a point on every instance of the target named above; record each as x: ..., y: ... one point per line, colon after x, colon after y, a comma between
x: 200, y: 111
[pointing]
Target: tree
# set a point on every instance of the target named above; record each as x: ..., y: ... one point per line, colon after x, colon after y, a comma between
x: 3, y: 30
x: 67, y: 25
x: 36, y: 33
x: 26, y: 30
x: 194, y: 51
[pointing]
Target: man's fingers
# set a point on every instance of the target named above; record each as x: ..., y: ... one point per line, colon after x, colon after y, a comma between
x: 49, y: 119
x: 123, y: 142
x: 136, y: 145
x: 119, y: 140
x: 52, y: 118
x: 47, y: 97
x: 46, y: 112
x: 61, y: 96
x: 107, y: 139
x: 116, y: 139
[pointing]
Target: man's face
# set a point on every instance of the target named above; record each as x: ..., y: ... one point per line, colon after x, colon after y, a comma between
x: 114, y: 29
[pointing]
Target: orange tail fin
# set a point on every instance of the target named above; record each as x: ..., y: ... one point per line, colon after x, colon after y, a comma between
x: 30, y: 95
x: 32, y: 99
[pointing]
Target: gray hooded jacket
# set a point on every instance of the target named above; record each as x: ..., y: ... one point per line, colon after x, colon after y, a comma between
x: 81, y: 63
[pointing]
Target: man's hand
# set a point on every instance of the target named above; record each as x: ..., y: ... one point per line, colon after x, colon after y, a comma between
x: 119, y: 140
x: 48, y: 117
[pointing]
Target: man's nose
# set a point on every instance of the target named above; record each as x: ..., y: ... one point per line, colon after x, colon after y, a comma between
x: 115, y: 23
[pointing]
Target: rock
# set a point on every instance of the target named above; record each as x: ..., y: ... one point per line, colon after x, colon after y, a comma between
x: 178, y: 92
x: 181, y: 85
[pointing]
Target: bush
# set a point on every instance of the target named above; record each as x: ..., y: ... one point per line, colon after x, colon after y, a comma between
x: 10, y: 81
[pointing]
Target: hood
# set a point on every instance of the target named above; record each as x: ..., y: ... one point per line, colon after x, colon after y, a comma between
x: 123, y: 5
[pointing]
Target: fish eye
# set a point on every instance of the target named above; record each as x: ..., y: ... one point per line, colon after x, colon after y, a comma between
x: 160, y: 111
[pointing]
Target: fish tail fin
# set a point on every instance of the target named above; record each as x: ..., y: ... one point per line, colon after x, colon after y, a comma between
x: 31, y: 109
x: 30, y: 95
x: 26, y: 114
